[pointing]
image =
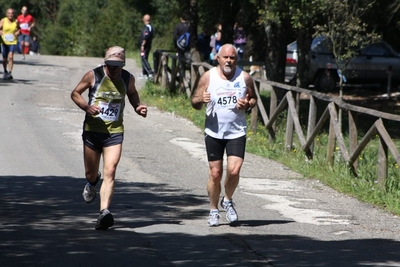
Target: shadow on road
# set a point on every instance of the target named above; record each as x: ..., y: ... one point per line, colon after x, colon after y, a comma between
x: 44, y: 222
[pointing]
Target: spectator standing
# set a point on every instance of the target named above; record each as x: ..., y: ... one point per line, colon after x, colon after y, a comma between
x: 103, y: 129
x: 145, y: 40
x: 34, y: 46
x: 9, y: 30
x: 203, y: 42
x: 182, y: 53
x: 239, y: 40
x: 228, y: 93
x: 216, y: 43
x: 26, y: 23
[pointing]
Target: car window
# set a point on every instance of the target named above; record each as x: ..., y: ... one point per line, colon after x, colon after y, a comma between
x: 376, y: 50
x: 321, y: 45
x: 292, y: 46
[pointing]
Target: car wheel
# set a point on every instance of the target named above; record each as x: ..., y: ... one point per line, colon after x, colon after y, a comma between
x: 326, y: 81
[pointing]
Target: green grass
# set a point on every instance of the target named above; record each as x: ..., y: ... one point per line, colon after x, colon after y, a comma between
x: 364, y: 187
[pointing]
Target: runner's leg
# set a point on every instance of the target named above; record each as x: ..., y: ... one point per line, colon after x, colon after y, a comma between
x: 111, y: 157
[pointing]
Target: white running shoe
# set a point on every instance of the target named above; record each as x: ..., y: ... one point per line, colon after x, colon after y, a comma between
x: 213, y: 218
x: 228, y: 206
x: 89, y: 191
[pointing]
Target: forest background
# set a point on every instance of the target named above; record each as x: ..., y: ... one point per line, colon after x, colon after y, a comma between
x: 87, y: 28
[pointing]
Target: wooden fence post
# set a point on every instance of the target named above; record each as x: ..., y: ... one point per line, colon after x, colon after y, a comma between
x: 331, y: 142
x: 353, y: 136
x: 174, y: 72
x: 289, y: 126
x: 312, y: 119
x: 382, y: 162
x: 164, y: 77
x: 254, y: 111
x: 272, y: 108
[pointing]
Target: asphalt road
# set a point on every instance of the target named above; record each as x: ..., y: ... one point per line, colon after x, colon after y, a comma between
x: 160, y: 203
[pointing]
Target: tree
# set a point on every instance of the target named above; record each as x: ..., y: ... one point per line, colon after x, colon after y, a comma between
x: 304, y: 15
x: 346, y: 32
x: 276, y: 20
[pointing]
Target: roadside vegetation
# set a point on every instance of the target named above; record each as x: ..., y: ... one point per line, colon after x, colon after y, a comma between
x: 87, y: 28
x: 364, y: 187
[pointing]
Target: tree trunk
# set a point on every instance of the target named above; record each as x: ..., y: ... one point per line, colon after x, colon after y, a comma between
x: 275, y: 57
x: 193, y: 23
x: 304, y: 40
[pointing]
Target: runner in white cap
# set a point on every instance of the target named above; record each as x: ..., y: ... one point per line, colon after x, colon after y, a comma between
x: 103, y: 129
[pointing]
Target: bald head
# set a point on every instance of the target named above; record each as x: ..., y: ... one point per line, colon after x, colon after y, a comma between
x: 146, y: 19
x: 227, y: 59
x: 227, y: 49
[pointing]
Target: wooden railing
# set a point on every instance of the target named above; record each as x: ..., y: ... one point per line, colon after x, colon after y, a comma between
x: 290, y: 102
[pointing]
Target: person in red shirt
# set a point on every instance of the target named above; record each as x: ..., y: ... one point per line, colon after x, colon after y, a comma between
x: 26, y: 23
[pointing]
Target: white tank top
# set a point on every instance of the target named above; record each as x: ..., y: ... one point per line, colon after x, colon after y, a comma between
x: 223, y: 119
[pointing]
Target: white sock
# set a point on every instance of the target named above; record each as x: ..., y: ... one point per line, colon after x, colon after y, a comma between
x: 224, y: 200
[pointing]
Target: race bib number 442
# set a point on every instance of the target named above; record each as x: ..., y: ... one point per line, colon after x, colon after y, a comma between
x: 109, y: 111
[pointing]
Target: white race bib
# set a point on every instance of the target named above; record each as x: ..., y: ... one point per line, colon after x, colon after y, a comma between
x: 109, y: 111
x: 228, y: 98
x: 9, y: 37
x: 24, y: 26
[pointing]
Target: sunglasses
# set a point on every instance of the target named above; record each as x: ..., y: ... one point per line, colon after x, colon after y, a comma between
x: 113, y: 68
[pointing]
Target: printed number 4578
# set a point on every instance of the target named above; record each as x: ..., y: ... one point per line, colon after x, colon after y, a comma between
x: 226, y: 100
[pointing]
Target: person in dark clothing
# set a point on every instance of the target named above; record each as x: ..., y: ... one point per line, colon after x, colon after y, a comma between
x: 203, y: 42
x: 34, y: 46
x: 239, y: 40
x: 183, y: 54
x: 146, y: 37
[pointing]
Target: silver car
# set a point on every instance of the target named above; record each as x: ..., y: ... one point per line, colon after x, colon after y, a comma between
x: 373, y: 64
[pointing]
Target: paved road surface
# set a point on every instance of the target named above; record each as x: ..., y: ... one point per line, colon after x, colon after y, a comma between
x: 160, y: 203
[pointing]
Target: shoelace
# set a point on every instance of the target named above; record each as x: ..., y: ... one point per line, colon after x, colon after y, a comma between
x: 90, y: 189
x: 229, y: 204
x: 231, y: 210
x: 214, y: 216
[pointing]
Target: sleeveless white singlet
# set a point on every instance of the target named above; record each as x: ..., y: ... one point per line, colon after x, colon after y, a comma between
x: 223, y: 119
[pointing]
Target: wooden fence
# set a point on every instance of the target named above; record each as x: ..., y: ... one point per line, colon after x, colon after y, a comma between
x: 290, y: 104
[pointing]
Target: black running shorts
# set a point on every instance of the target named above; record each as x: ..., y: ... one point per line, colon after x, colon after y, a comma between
x: 97, y: 141
x: 216, y: 147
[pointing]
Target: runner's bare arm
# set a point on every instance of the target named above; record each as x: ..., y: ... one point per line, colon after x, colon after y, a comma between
x: 76, y: 94
x: 251, y: 94
x: 201, y: 95
x: 250, y: 101
x: 134, y: 99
